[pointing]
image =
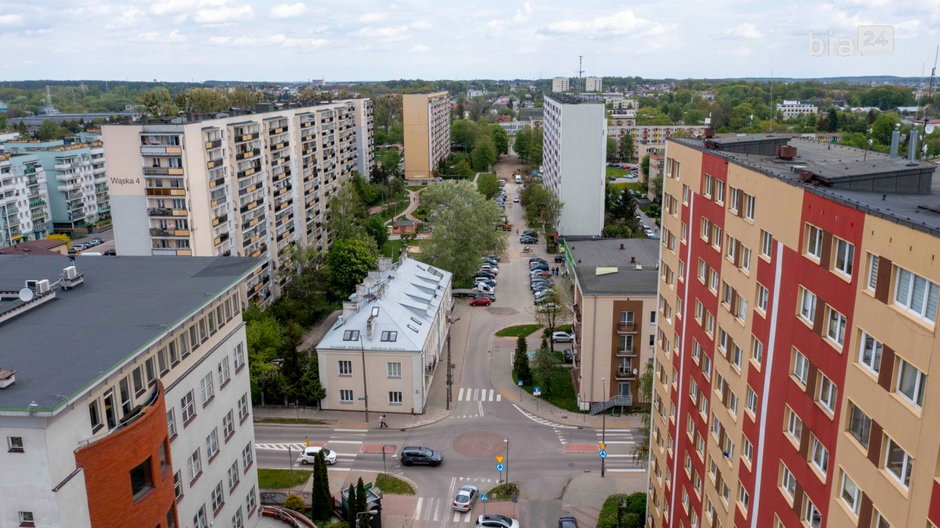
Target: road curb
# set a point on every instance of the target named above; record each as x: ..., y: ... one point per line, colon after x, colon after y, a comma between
x: 432, y: 422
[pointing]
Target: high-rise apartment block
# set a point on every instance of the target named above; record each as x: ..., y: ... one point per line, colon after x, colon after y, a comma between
x: 560, y: 84
x: 365, y: 136
x: 795, y: 380
x: 574, y: 157
x: 255, y: 184
x: 593, y: 84
x: 124, y: 393
x: 426, y: 122
x: 24, y: 202
x: 77, y: 186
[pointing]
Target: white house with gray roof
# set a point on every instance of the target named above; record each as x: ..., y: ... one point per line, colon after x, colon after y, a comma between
x: 382, y: 352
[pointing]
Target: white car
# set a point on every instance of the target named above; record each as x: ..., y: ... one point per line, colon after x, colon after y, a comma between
x: 497, y: 521
x: 310, y: 453
x: 465, y: 498
x: 562, y: 337
x: 490, y: 268
x: 481, y: 287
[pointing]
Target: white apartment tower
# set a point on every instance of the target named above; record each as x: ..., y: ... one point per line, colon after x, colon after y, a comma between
x: 593, y: 84
x: 573, y: 166
x: 560, y: 84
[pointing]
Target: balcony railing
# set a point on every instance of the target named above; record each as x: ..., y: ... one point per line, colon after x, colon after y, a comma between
x: 626, y: 328
x: 156, y: 231
x: 625, y: 373
x: 626, y: 352
x: 163, y: 171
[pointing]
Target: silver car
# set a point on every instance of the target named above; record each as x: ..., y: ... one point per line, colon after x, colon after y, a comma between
x: 466, y: 496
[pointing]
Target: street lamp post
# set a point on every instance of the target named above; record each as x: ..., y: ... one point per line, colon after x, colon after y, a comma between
x: 365, y: 388
x: 507, y: 459
x: 604, y: 431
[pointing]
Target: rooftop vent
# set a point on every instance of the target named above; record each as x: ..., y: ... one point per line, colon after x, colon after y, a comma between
x: 7, y: 378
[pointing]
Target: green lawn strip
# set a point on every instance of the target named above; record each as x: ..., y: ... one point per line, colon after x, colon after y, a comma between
x: 562, y: 395
x: 518, y: 330
x: 633, y: 186
x: 503, y: 492
x: 282, y: 478
x: 616, y: 172
x: 393, y: 485
x: 291, y: 421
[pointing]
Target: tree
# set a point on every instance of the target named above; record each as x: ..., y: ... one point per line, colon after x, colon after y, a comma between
x: 833, y: 121
x: 293, y: 502
x: 641, y: 450
x: 645, y: 165
x: 500, y: 139
x: 346, y: 214
x: 551, y: 311
x: 488, y: 185
x: 352, y: 504
x: 883, y: 127
x: 626, y: 147
x: 484, y: 153
x: 309, y: 387
x: 361, y: 497
x: 535, y: 146
x: 542, y: 207
x: 520, y: 363
x: 321, y: 502
x: 463, y: 221
x: 521, y: 142
x: 349, y: 261
x: 612, y: 153
x: 159, y: 103
x: 377, y: 230
x: 476, y: 107
x: 242, y: 97
x: 463, y: 134
x: 201, y: 101
x: 544, y: 367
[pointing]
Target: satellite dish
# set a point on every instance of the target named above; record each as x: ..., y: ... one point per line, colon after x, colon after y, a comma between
x: 26, y: 295
x: 929, y: 129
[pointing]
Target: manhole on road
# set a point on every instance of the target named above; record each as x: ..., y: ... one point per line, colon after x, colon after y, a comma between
x: 479, y: 444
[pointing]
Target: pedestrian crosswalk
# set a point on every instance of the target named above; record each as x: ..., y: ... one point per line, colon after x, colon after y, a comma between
x: 438, y: 509
x: 345, y: 442
x: 619, y: 446
x: 483, y: 395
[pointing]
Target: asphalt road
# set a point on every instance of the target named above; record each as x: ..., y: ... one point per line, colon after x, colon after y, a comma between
x: 539, y: 455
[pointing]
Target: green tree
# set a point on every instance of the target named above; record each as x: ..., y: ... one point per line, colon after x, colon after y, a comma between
x: 349, y: 261
x: 321, y: 501
x: 833, y: 120
x: 544, y: 367
x: 626, y: 147
x: 159, y: 103
x: 47, y: 130
x: 883, y: 127
x: 521, y: 143
x: 535, y: 146
x: 243, y: 97
x: 520, y: 363
x: 293, y: 502
x: 645, y: 165
x: 500, y: 139
x: 641, y: 450
x: 352, y: 504
x: 488, y: 185
x: 201, y: 100
x: 376, y: 229
x: 346, y: 215
x: 361, y: 498
x: 542, y: 207
x: 463, y: 134
x: 309, y: 387
x: 484, y: 153
x: 612, y: 154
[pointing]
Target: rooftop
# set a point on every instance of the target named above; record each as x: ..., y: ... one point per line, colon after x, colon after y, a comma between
x: 895, y: 189
x: 62, y: 347
x: 615, y: 266
x: 565, y: 98
x: 45, y: 246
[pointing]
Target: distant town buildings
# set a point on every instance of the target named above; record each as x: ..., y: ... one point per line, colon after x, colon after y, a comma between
x: 646, y: 138
x: 796, y: 108
x: 426, y: 122
x: 593, y: 84
x: 24, y: 200
x: 574, y: 157
x: 560, y: 84
x: 388, y: 341
x: 475, y: 92
x: 622, y: 105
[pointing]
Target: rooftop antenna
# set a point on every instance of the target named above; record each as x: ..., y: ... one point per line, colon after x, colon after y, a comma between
x: 580, y: 73
x: 933, y: 74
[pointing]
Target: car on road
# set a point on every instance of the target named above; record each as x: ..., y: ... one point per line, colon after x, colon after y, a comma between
x: 466, y: 496
x: 481, y: 301
x: 496, y: 521
x: 515, y: 199
x: 485, y: 275
x: 484, y: 288
x: 110, y: 252
x: 528, y: 240
x: 562, y: 337
x: 490, y: 296
x: 490, y: 268
x: 411, y: 455
x: 567, y: 522
x: 537, y: 259
x: 309, y: 454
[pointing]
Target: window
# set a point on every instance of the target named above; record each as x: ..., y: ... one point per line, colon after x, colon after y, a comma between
x: 206, y: 388
x: 766, y: 244
x: 814, y: 237
x: 880, y: 521
x: 708, y: 186
x: 749, y: 206
x: 212, y: 444
x: 747, y: 449
x: 15, y: 444
x: 745, y: 258
x: 819, y: 455
x: 835, y: 329
x: 161, y: 361
x: 224, y: 372
x: 237, y: 521
x: 719, y: 191
x: 195, y: 465
x: 173, y: 352
x: 345, y: 368
x: 238, y: 356
x: 345, y: 396
x: 898, y: 462
x: 701, y: 270
x: 872, y: 271
x: 811, y: 515
x: 706, y: 366
x: 388, y: 336
x: 233, y: 475
x: 247, y: 457
x: 911, y: 382
x: 94, y: 415
x: 845, y: 255
x: 394, y: 369
x: 917, y: 294
x: 732, y: 403
x: 859, y: 425
x: 751, y: 400
x: 150, y: 370
x: 228, y: 424
x: 787, y: 481
x: 807, y: 305
x: 800, y: 366
x: 869, y: 353
x: 762, y: 296
x: 243, y: 407
x: 794, y: 425
x: 193, y: 338
x: 141, y: 479
x: 757, y: 350
x: 218, y: 496
x: 178, y: 484
x: 350, y: 335
x: 251, y: 500
x: 850, y: 493
x: 25, y: 517
x: 735, y: 195
x: 743, y: 497
x: 138, y: 378
x: 736, y: 354
x: 187, y: 407
x: 394, y: 398
x: 827, y: 393
x: 713, y: 280
x: 171, y: 423
x: 199, y: 520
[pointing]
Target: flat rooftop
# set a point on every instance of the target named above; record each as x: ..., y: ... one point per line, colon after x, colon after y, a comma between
x: 566, y: 98
x: 608, y: 266
x: 835, y: 172
x: 62, y: 347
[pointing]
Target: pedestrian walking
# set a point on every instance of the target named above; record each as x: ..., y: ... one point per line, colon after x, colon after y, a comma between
x: 382, y: 424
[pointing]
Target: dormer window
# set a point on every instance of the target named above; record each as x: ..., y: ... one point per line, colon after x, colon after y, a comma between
x: 351, y: 335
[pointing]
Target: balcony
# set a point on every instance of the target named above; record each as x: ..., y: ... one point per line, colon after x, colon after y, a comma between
x: 163, y: 171
x: 625, y: 374
x: 213, y: 144
x: 626, y: 352
x: 164, y: 191
x: 159, y: 232
x: 161, y: 150
x: 213, y: 163
x: 165, y: 211
x: 248, y: 154
x: 246, y: 137
x: 626, y: 328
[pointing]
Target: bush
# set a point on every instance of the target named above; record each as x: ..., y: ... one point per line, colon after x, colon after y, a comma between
x: 293, y: 502
x: 631, y: 517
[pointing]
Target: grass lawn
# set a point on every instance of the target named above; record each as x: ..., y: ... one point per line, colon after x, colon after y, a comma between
x: 616, y: 172
x: 518, y: 330
x: 291, y: 421
x: 392, y: 248
x: 388, y: 157
x: 398, y: 204
x: 416, y: 187
x: 633, y: 186
x: 562, y: 395
x: 393, y: 485
x: 282, y: 478
x: 503, y: 491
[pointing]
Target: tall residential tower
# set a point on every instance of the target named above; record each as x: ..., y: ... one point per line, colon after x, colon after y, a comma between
x: 426, y: 121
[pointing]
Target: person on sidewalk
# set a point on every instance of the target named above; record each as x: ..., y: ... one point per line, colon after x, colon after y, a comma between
x: 382, y: 423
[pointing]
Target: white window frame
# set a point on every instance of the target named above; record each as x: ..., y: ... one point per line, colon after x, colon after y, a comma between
x: 844, y: 259
x: 195, y: 464
x: 206, y: 388
x: 916, y: 398
x: 800, y: 368
x: 766, y: 244
x: 394, y: 369
x: 344, y: 367
x: 850, y: 493
x: 812, y: 517
x: 763, y: 295
x: 346, y: 396
x: 870, y: 346
x: 836, y: 324
x: 814, y: 240
x: 395, y: 397
x: 873, y: 262
x: 907, y: 463
x: 828, y: 393
x: 807, y: 307
x: 757, y: 350
x: 819, y: 455
x: 794, y: 425
x: 751, y: 400
x: 750, y: 206
x: 905, y: 285
x: 787, y: 481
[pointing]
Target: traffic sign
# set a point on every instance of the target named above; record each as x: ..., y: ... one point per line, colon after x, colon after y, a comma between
x: 500, y: 467
x: 484, y: 497
x: 536, y: 391
x: 602, y: 445
x: 519, y: 383
x: 499, y: 458
x: 602, y: 453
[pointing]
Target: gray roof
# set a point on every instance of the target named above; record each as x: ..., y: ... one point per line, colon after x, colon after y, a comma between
x: 838, y: 171
x: 62, y: 347
x: 608, y: 266
x: 566, y: 98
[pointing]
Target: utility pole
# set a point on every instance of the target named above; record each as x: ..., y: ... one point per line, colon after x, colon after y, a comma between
x: 507, y: 460
x: 365, y: 388
x: 603, y: 440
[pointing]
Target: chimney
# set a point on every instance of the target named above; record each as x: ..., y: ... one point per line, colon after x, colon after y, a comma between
x: 384, y: 264
x: 912, y: 145
x: 786, y: 152
x: 895, y: 139
x: 632, y: 259
x: 621, y: 246
x: 361, y: 291
x: 349, y: 308
x: 709, y: 132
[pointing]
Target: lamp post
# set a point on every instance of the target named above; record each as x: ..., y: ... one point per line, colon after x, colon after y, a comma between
x: 365, y: 388
x: 507, y: 459
x: 450, y: 374
x: 604, y: 429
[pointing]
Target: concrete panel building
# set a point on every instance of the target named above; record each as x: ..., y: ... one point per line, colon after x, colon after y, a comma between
x: 255, y: 184
x: 365, y: 137
x: 614, y: 304
x: 131, y: 406
x: 24, y: 202
x: 426, y: 124
x: 574, y: 158
x: 593, y: 84
x: 561, y: 84
x: 645, y: 137
x: 796, y: 108
x: 382, y: 352
x: 795, y: 381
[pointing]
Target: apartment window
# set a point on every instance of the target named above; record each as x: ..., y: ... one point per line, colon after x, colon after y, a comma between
x: 251, y: 500
x: 819, y: 456
x: 747, y: 449
x: 178, y: 485
x: 736, y: 354
x: 171, y: 423
x: 707, y: 188
x: 247, y: 457
x: 228, y: 424
x: 706, y: 366
x: 686, y: 194
x: 757, y: 350
x: 238, y: 356
x: 766, y: 244
x: 243, y: 407
x: 726, y: 294
x: 850, y: 494
x: 394, y: 398
x: 749, y: 206
x: 684, y: 232
x: 394, y: 369
x: 713, y: 280
x: 835, y: 330
x: 233, y: 475
x: 150, y: 371
x: 218, y: 497
x: 827, y: 392
x: 880, y: 521
x: 800, y: 366
x: 389, y: 336
x: 94, y: 415
x: 740, y: 310
x: 193, y: 338
x: 141, y: 479
x: 161, y: 361
x: 794, y: 425
x: 750, y: 401
x: 732, y: 403
x: 845, y: 255
x: 345, y: 368
x: 345, y: 396
x: 814, y: 237
x: 911, y: 382
x: 709, y: 323
x: 859, y: 425
x: 350, y: 335
x: 195, y: 465
x: 125, y: 397
x: 15, y: 444
x: 237, y: 521
x: 917, y: 294
x: 787, y: 481
x: 869, y: 353
x: 743, y: 497
x: 702, y: 268
x: 898, y: 462
x: 715, y: 426
x: 225, y: 372
x: 716, y: 237
x: 206, y: 388
x: 745, y: 258
x: 173, y: 352
x: 735, y: 195
x: 212, y: 444
x: 872, y: 271
x: 199, y: 520
x: 719, y: 191
x: 807, y: 305
x: 811, y: 515
x: 723, y: 340
x: 187, y: 407
x: 26, y: 518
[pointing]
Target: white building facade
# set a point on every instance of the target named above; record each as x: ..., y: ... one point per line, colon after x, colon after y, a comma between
x: 593, y: 84
x: 561, y: 84
x: 796, y: 108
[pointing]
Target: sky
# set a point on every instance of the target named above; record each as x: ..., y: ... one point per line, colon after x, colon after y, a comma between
x: 363, y: 40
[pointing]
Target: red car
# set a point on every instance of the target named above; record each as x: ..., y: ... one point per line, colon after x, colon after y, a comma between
x: 481, y: 301
x: 542, y: 274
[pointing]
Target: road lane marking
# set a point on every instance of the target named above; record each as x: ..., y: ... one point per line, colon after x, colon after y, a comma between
x: 345, y: 441
x: 499, y: 397
x: 626, y: 470
x: 480, y: 405
x: 363, y: 431
x: 543, y: 421
x: 460, y: 395
x: 418, y: 508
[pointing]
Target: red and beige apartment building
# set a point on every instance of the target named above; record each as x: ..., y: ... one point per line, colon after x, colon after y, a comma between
x: 795, y: 371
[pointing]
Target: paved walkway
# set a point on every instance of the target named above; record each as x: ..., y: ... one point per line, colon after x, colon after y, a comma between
x: 585, y: 494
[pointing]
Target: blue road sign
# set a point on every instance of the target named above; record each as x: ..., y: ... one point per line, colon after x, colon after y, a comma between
x: 519, y: 383
x: 500, y: 467
x: 602, y: 453
x: 484, y: 497
x: 536, y: 391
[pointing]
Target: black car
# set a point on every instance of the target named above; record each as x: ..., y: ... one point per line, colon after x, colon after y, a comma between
x: 539, y: 266
x: 568, y: 354
x: 537, y: 259
x: 559, y: 258
x: 110, y: 252
x: 412, y: 455
x: 567, y: 522
x: 493, y: 257
x: 528, y: 240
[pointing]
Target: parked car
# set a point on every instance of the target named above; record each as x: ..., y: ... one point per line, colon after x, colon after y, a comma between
x: 79, y: 247
x: 537, y: 259
x: 528, y: 240
x: 485, y: 289
x: 515, y: 199
x: 567, y: 522
x: 538, y: 266
x: 96, y: 241
x: 485, y: 275
x: 493, y: 262
x: 493, y: 257
x: 491, y: 268
x: 559, y: 258
x: 466, y: 496
x: 568, y: 354
x: 549, y: 307
x: 540, y: 273
x: 529, y: 232
x: 562, y: 337
x: 110, y: 252
x: 490, y: 296
x: 481, y: 301
x: 496, y: 521
x: 540, y: 285
x: 411, y: 455
x: 489, y: 282
x: 310, y: 453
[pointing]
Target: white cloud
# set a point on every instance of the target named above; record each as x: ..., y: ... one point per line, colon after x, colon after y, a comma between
x: 288, y: 10
x: 224, y: 15
x: 496, y: 24
x: 618, y: 24
x: 745, y: 31
x: 369, y: 18
x: 420, y: 48
x: 11, y: 20
x: 523, y: 14
x: 421, y: 24
x: 184, y: 7
x: 154, y: 36
x: 387, y: 34
x: 278, y: 39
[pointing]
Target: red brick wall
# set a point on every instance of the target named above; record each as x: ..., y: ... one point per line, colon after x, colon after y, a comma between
x: 107, y: 464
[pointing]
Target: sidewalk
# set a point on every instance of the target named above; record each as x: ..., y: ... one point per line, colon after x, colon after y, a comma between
x: 585, y: 494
